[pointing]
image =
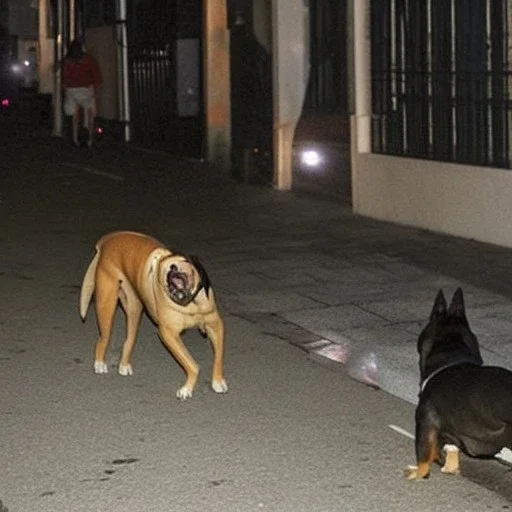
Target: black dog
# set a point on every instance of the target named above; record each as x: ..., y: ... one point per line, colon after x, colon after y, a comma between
x: 462, y: 404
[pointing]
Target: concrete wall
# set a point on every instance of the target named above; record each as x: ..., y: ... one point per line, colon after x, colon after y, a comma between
x: 46, y: 65
x: 101, y: 44
x: 462, y: 200
x: 290, y: 74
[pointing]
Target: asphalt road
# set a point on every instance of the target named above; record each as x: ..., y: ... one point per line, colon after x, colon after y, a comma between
x: 290, y: 435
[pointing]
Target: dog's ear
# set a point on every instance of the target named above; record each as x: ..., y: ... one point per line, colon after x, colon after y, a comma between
x: 457, y: 308
x: 427, y: 337
x: 203, y: 276
x: 439, y: 308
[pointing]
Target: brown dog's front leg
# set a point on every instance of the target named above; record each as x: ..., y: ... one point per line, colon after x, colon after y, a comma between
x: 215, y: 331
x: 176, y: 347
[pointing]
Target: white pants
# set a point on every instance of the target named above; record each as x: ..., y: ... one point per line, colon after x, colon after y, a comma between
x: 79, y: 97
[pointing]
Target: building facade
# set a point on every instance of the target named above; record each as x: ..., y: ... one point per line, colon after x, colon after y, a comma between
x: 446, y: 170
x: 429, y: 141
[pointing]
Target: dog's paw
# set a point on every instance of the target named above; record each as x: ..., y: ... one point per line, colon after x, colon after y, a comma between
x: 125, y: 369
x: 219, y: 386
x: 411, y: 473
x: 450, y: 471
x: 184, y: 393
x: 100, y: 367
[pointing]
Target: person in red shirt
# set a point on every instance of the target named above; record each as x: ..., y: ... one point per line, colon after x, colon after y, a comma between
x: 81, y: 78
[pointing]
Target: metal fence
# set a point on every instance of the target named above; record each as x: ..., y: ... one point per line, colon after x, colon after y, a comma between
x: 441, y: 80
x: 164, y: 60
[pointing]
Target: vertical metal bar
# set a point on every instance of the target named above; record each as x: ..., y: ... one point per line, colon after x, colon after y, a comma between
x: 57, y: 99
x: 507, y: 84
x: 462, y: 82
x: 397, y: 121
x: 499, y: 135
x: 72, y: 20
x: 377, y: 47
x: 441, y: 58
x: 123, y: 37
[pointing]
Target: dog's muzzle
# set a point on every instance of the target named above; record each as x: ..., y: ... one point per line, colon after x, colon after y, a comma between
x: 179, y: 287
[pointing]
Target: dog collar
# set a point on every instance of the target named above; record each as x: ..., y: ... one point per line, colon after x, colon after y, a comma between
x: 457, y: 362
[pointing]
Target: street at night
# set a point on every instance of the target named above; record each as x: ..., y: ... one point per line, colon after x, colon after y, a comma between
x: 292, y: 434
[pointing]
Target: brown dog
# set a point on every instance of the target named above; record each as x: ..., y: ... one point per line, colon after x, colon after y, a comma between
x: 175, y: 291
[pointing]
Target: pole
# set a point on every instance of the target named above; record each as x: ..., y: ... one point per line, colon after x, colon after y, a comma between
x: 72, y: 20
x: 57, y: 96
x: 217, y: 83
x: 122, y: 69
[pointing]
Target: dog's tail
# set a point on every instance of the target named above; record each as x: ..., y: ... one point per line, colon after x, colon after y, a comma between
x: 88, y: 285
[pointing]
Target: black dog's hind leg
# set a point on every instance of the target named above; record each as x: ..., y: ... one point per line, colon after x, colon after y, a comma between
x: 427, y: 452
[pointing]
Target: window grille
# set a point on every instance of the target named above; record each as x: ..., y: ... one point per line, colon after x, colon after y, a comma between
x: 441, y: 81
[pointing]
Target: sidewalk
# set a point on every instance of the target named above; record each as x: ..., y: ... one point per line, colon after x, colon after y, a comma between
x: 354, y: 291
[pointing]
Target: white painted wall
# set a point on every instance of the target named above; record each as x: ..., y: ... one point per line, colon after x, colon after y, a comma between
x: 462, y: 200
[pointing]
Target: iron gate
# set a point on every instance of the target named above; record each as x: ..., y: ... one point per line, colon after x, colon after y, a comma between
x: 164, y: 55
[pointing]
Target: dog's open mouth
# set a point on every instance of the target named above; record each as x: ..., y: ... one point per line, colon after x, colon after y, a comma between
x: 178, y: 286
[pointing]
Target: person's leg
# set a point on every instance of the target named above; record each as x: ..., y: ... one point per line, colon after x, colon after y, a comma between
x: 90, y: 125
x: 91, y: 114
x: 71, y: 108
x: 74, y: 124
